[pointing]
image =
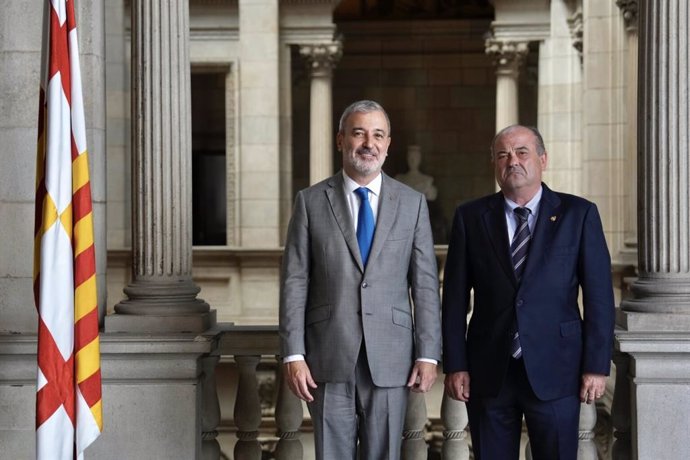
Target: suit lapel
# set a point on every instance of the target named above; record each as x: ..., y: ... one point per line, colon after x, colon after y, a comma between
x: 495, y: 225
x: 341, y: 211
x: 388, y: 206
x: 544, y: 230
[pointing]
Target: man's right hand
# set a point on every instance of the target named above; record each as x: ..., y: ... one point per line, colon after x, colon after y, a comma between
x: 458, y: 385
x: 298, y: 378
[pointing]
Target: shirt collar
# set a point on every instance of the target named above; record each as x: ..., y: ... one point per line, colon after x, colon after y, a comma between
x: 374, y: 186
x: 532, y: 205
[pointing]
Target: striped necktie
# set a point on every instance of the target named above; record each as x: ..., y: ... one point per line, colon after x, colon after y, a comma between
x: 521, y: 239
x: 518, y: 251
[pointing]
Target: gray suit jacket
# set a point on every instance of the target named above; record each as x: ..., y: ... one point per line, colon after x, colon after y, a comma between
x: 329, y: 303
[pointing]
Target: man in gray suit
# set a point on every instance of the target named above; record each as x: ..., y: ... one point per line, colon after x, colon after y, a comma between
x: 359, y: 254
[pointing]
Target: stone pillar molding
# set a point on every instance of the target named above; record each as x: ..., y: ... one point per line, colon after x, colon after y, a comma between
x: 663, y: 285
x: 321, y: 59
x: 161, y: 295
x: 629, y: 10
x: 628, y: 254
x: 576, y: 26
x: 509, y: 57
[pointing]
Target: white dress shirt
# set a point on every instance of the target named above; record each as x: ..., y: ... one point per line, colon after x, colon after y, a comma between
x: 532, y: 205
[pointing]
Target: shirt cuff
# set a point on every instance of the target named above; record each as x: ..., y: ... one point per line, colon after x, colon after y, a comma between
x: 426, y: 360
x: 291, y: 358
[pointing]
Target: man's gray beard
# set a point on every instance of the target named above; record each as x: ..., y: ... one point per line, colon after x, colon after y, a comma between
x: 364, y: 167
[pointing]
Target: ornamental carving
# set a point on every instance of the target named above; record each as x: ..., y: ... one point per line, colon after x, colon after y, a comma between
x: 629, y: 10
x: 506, y: 53
x: 321, y: 58
x: 576, y: 30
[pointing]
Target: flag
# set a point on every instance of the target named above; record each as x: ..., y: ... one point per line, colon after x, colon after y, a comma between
x: 68, y: 389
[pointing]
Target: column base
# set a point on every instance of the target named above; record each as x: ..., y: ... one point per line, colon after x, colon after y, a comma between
x: 160, y: 323
x: 635, y: 321
x: 660, y: 392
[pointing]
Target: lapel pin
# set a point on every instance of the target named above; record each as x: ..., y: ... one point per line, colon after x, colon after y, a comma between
x: 553, y: 218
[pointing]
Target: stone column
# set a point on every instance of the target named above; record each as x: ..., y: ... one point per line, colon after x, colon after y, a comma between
x: 162, y: 295
x: 321, y: 59
x: 509, y: 56
x: 656, y: 321
x: 628, y: 253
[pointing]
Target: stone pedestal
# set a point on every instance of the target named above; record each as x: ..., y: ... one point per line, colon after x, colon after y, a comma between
x: 152, y: 396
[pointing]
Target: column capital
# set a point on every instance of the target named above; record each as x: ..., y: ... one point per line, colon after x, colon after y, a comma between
x: 629, y: 10
x: 576, y: 27
x: 508, y: 54
x: 321, y: 58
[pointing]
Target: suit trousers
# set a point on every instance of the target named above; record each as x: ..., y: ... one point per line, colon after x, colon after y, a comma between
x: 496, y: 422
x: 357, y: 415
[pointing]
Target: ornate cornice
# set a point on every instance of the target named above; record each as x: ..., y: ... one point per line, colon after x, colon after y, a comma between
x: 321, y: 58
x: 629, y: 10
x: 507, y: 54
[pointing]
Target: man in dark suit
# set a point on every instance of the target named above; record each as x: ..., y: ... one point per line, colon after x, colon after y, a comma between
x: 358, y: 251
x: 526, y: 251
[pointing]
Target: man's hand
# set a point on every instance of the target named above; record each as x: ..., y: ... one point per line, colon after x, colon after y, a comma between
x: 422, y: 377
x: 458, y: 385
x: 593, y: 387
x: 298, y: 378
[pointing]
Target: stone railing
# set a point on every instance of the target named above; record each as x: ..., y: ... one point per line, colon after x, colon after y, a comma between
x: 268, y: 421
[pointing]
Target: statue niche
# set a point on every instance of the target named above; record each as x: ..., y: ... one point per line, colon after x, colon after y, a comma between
x: 424, y: 184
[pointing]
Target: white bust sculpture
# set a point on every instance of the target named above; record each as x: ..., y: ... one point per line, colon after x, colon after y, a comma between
x: 414, y: 178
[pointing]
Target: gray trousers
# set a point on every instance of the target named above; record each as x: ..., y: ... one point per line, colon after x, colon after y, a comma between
x: 358, y: 414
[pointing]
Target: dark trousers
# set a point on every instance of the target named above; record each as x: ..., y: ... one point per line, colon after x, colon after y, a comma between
x: 496, y: 422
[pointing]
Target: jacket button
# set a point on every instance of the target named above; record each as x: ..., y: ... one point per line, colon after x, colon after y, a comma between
x: 364, y: 285
x: 519, y: 303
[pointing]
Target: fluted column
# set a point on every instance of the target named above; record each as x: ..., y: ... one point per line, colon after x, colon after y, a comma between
x: 509, y: 56
x: 321, y: 59
x: 656, y: 321
x: 454, y: 418
x: 162, y: 295
x: 663, y: 286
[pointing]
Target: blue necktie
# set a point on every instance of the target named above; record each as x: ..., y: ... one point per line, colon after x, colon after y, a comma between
x: 365, y: 224
x: 518, y: 251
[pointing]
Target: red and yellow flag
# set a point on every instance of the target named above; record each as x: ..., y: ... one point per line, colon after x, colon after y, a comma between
x: 68, y: 398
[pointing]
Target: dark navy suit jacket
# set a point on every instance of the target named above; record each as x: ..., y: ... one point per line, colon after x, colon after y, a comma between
x: 567, y: 251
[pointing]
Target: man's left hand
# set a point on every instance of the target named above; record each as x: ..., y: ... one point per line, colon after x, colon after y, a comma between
x: 593, y: 387
x: 422, y: 377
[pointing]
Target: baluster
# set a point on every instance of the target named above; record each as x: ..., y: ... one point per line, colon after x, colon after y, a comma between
x: 247, y: 412
x: 620, y: 408
x: 414, y: 446
x: 454, y: 418
x: 289, y: 415
x: 586, y: 449
x: 210, y: 411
